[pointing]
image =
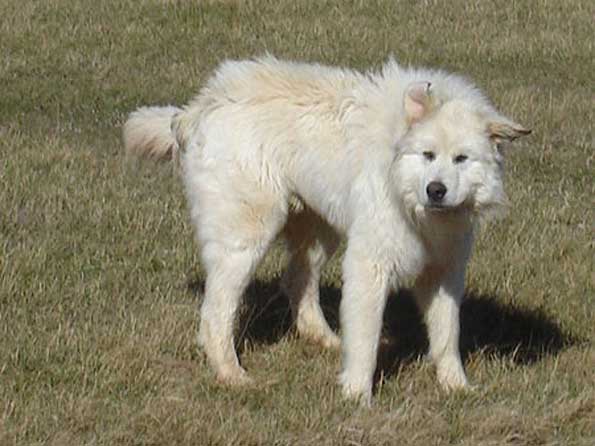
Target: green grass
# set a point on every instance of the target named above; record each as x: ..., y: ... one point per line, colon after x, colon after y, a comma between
x: 99, y: 280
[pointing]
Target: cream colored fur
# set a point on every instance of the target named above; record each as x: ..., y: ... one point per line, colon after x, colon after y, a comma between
x: 401, y: 162
x: 147, y: 132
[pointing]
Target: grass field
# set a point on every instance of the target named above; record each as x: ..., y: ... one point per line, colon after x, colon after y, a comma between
x: 100, y: 281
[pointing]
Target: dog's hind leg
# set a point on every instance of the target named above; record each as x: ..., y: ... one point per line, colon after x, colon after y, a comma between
x: 311, y: 243
x: 234, y: 234
x: 227, y: 278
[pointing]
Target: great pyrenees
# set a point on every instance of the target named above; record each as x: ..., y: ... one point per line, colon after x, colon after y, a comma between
x: 402, y: 162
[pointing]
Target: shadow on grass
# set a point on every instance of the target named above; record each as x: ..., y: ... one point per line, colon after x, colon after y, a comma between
x: 487, y: 326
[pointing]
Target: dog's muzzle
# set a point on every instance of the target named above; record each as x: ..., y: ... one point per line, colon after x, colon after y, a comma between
x: 436, y: 192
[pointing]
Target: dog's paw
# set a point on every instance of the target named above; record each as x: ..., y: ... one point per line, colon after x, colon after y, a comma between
x: 327, y: 340
x: 453, y: 380
x: 355, y: 391
x: 234, y: 377
x: 362, y: 398
x: 317, y: 331
x: 331, y: 341
x: 455, y: 386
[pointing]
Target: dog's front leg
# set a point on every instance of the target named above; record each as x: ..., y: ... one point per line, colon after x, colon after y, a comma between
x: 439, y: 296
x: 366, y: 286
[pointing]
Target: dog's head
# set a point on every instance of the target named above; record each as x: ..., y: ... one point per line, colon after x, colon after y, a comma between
x: 450, y: 160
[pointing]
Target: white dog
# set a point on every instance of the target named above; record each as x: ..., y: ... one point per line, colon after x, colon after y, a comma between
x: 402, y: 162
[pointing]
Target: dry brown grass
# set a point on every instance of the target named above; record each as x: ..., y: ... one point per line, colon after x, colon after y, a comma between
x: 99, y: 280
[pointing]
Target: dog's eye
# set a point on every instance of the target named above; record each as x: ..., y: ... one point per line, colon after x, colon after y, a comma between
x: 460, y: 159
x: 429, y: 155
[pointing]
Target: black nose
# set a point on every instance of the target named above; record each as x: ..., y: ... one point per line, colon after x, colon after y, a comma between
x: 436, y: 191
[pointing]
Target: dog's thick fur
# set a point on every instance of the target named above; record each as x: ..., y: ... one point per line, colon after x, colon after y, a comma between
x: 402, y: 162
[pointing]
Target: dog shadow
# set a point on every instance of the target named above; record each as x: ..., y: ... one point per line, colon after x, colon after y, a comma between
x: 489, y: 327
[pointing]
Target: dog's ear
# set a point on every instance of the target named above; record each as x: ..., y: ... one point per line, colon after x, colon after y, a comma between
x: 418, y: 101
x: 503, y: 130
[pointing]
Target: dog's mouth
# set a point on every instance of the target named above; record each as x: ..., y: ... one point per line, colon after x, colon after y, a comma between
x: 440, y: 208
x: 435, y: 207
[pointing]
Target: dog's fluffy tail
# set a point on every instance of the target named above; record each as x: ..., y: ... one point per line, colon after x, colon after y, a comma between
x: 147, y: 133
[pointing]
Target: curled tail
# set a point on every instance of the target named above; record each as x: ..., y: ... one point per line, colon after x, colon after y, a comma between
x: 147, y: 132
